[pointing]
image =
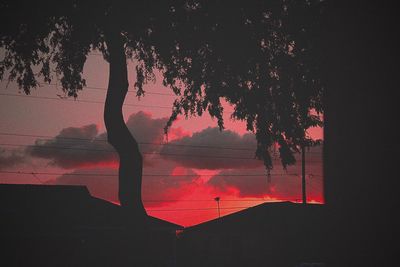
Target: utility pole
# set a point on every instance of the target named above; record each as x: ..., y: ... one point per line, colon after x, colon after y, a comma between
x: 217, y: 199
x: 303, y: 173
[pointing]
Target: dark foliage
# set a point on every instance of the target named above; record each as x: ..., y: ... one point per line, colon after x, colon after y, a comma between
x: 262, y: 57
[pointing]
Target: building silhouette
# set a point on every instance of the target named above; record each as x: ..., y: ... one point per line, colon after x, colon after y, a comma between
x: 47, y: 225
x: 270, y: 234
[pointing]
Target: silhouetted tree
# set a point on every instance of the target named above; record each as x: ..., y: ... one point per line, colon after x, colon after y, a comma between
x: 260, y: 56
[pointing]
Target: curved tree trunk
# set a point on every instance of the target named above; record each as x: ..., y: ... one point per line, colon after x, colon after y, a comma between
x: 131, y: 162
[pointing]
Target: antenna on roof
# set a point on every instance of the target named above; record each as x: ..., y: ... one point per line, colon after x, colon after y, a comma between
x: 218, y: 199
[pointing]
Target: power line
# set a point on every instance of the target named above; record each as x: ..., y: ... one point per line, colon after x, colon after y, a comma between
x: 132, y: 91
x: 202, y: 209
x: 150, y: 175
x: 81, y: 101
x: 111, y: 151
x: 143, y: 143
x: 208, y: 200
x: 89, y: 101
x: 62, y: 148
x: 262, y: 200
x: 199, y: 209
x: 37, y: 178
x: 145, y: 153
x: 98, y: 102
x: 105, y: 89
x: 149, y: 200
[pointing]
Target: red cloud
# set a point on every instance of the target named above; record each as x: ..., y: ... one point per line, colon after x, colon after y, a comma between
x: 159, y: 186
x: 284, y: 185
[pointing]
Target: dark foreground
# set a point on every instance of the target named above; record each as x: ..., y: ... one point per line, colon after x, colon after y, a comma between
x: 64, y: 226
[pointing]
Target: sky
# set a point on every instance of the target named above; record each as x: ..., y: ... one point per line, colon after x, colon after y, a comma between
x: 47, y: 139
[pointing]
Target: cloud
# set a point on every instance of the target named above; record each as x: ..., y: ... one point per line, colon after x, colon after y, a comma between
x: 75, y: 147
x: 246, y: 186
x: 159, y: 187
x: 9, y: 159
x: 146, y: 129
x: 82, y: 147
x: 216, y: 153
x: 85, y: 147
x: 284, y: 185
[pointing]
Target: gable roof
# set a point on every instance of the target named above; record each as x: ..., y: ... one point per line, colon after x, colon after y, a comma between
x: 273, y: 215
x: 61, y: 208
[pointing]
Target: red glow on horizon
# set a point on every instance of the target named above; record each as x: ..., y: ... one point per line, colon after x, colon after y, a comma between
x: 192, y: 216
x: 203, y: 208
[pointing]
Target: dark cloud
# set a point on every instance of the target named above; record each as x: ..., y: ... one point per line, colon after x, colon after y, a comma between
x: 80, y: 147
x: 246, y: 186
x: 283, y: 187
x: 145, y: 128
x: 158, y: 187
x: 282, y: 184
x: 77, y: 147
x: 9, y: 159
x: 214, y: 155
x: 74, y: 147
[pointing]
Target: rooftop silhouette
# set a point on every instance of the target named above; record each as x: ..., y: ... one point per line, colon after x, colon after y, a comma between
x: 47, y: 225
x: 270, y: 234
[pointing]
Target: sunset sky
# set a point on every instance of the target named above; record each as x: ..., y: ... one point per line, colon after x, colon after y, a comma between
x: 47, y: 139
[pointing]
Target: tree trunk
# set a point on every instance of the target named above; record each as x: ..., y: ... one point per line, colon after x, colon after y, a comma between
x: 131, y: 162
